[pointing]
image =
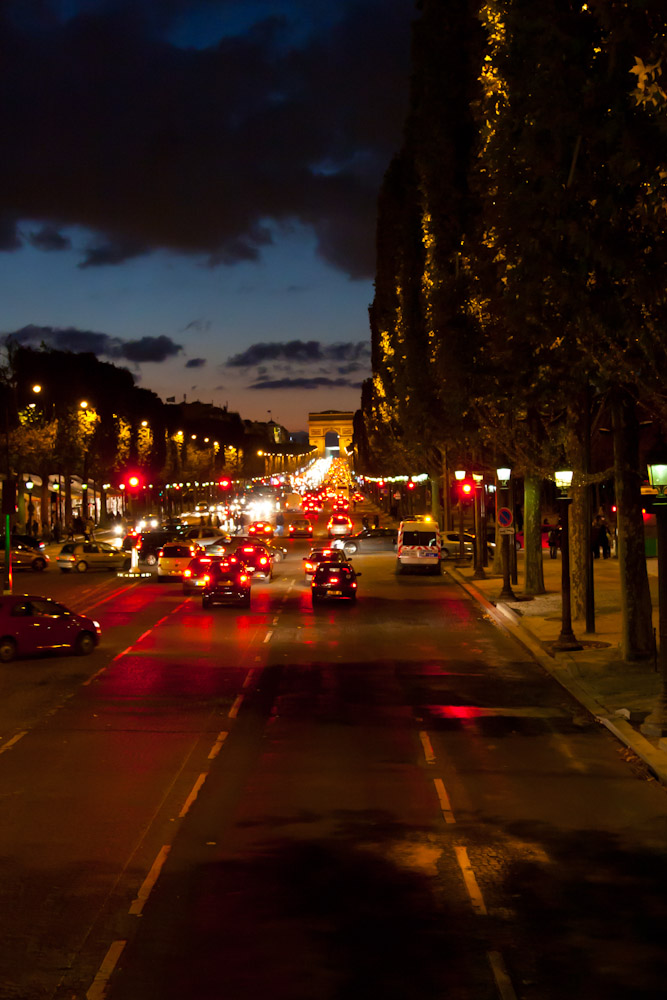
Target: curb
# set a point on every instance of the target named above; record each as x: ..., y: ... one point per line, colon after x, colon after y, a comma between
x: 654, y: 758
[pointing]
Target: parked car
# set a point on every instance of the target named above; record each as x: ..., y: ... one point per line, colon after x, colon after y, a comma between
x: 368, y: 540
x: 300, y: 528
x: 82, y: 556
x: 31, y: 625
x: 24, y: 557
x: 449, y: 544
x: 174, y: 558
x: 334, y: 581
x: 339, y: 525
x: 228, y: 582
x: 29, y: 541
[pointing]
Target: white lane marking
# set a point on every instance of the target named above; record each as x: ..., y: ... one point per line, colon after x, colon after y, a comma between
x: 14, y: 740
x: 143, y: 635
x: 290, y: 586
x: 575, y: 763
x: 234, y: 710
x: 474, y: 891
x: 503, y: 981
x: 249, y: 678
x: 445, y: 804
x: 98, y: 987
x: 267, y: 637
x: 94, y: 677
x: 428, y: 749
x: 194, y: 793
x: 217, y: 746
x: 150, y: 880
x: 275, y: 620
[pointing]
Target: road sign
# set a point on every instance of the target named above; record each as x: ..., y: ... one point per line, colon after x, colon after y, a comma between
x: 506, y: 531
x: 505, y: 517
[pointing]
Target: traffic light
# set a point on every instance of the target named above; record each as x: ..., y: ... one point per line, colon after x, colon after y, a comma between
x: 466, y: 490
x: 225, y: 483
x: 410, y: 485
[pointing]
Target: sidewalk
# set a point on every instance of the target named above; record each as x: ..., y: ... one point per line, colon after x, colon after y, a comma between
x: 618, y: 694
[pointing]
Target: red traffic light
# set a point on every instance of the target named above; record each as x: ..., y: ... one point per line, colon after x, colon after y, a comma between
x: 225, y: 484
x: 411, y: 485
x: 466, y: 489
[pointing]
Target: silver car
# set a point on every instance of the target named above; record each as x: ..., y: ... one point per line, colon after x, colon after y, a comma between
x: 82, y: 556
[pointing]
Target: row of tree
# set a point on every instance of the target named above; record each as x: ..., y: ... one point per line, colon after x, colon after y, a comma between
x: 520, y: 291
x: 69, y: 414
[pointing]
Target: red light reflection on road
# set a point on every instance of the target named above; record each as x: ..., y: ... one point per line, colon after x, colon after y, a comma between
x: 456, y: 711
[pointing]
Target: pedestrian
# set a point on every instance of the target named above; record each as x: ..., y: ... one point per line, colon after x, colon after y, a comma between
x: 56, y: 531
x: 280, y: 523
x: 376, y: 521
x: 554, y: 542
x: 365, y: 523
x: 70, y: 531
x: 604, y: 536
x: 90, y: 529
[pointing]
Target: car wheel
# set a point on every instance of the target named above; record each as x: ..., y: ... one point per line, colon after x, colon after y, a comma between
x: 399, y: 567
x: 39, y: 565
x: 81, y: 567
x: 85, y: 643
x: 7, y: 650
x: 151, y: 559
x: 350, y: 549
x: 444, y: 553
x: 245, y: 603
x: 205, y: 603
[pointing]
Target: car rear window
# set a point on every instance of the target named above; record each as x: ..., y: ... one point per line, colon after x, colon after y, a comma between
x: 175, y: 551
x: 419, y: 538
x: 68, y: 549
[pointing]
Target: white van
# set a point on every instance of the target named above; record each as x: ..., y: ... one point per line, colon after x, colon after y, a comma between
x: 418, y: 545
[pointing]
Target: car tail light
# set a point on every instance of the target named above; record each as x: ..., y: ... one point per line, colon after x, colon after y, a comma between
x: 243, y: 578
x: 187, y: 572
x: 263, y: 561
x: 353, y: 585
x: 207, y: 578
x: 160, y: 553
x: 248, y: 549
x: 291, y: 527
x: 309, y: 567
x: 334, y: 579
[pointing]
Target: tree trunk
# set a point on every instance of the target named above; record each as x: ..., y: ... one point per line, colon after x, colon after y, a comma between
x: 532, y: 536
x: 637, y: 625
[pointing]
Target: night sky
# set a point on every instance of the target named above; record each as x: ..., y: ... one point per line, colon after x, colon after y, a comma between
x: 188, y: 188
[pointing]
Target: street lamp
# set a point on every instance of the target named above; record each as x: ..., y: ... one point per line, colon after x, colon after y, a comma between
x: 480, y: 527
x: 459, y: 475
x: 656, y: 723
x: 503, y: 474
x: 567, y: 639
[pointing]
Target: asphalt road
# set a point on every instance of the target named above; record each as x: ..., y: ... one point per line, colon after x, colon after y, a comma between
x: 382, y: 800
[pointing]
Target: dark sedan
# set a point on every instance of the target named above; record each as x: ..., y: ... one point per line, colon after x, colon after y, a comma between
x: 227, y: 582
x: 334, y: 581
x: 368, y: 540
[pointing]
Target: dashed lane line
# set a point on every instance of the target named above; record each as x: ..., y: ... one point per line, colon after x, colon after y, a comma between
x: 150, y: 880
x: 193, y: 794
x: 98, y: 987
x: 217, y: 746
x: 445, y: 804
x: 429, y: 754
x: 502, y: 979
x: 13, y: 741
x: 234, y: 710
x: 474, y: 891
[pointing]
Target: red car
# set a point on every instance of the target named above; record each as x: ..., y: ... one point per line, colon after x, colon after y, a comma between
x: 300, y: 528
x: 256, y: 560
x: 261, y: 529
x: 30, y: 625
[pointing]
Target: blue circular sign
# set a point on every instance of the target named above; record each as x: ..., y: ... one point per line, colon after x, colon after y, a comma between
x: 505, y: 517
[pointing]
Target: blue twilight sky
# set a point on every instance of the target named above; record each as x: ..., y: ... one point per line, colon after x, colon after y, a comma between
x: 188, y: 188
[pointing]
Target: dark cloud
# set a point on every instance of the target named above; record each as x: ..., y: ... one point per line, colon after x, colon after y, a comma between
x: 305, y: 383
x: 154, y: 349
x: 302, y: 352
x: 49, y: 238
x: 198, y: 325
x: 195, y: 363
x: 116, y: 122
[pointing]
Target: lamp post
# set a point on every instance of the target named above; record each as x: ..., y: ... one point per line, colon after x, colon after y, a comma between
x: 655, y: 724
x: 503, y: 474
x: 480, y: 528
x: 567, y: 639
x: 459, y: 475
